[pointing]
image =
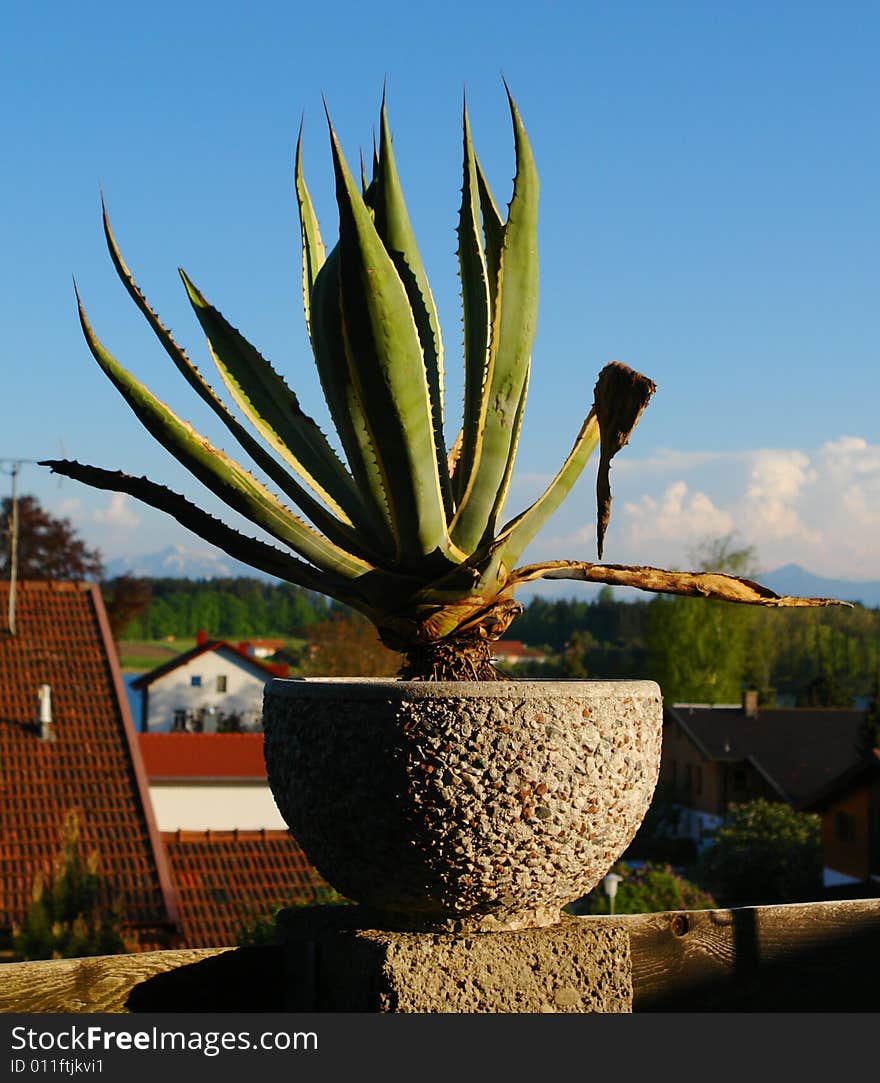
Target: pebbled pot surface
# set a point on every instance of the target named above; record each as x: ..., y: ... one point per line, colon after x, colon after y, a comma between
x: 463, y: 805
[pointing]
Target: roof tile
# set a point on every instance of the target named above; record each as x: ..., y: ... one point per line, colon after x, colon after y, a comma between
x: 92, y: 764
x: 203, y: 755
x: 229, y: 879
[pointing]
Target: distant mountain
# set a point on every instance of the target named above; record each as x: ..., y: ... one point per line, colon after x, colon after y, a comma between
x: 179, y: 562
x: 793, y: 579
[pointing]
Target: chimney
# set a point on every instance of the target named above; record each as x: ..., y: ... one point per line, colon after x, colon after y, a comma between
x: 750, y: 703
x: 46, y: 733
x: 201, y: 637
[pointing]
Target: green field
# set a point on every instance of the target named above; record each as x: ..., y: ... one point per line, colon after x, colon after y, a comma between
x: 146, y: 654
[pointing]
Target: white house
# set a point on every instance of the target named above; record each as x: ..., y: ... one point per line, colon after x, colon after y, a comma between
x: 214, y: 687
x: 209, y: 782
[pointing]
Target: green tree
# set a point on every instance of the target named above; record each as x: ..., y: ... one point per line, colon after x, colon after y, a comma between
x: 823, y: 690
x: 67, y: 917
x: 766, y: 852
x: 574, y: 657
x: 697, y: 650
x: 646, y: 889
x: 259, y: 926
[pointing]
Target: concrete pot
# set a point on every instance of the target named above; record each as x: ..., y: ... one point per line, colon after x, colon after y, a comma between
x: 463, y: 805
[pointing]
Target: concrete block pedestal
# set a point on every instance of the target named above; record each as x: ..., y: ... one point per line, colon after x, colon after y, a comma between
x: 340, y: 959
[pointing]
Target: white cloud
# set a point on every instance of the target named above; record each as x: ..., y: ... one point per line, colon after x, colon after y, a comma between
x: 118, y: 514
x: 670, y: 461
x: 678, y: 517
x: 816, y: 507
x: 70, y: 508
x: 777, y: 488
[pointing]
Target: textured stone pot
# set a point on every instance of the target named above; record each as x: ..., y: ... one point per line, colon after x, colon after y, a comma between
x: 463, y: 805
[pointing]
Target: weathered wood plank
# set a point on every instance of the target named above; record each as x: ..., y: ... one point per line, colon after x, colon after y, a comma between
x: 798, y: 957
x: 100, y: 983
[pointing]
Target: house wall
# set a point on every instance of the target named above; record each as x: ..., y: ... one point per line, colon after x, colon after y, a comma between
x: 685, y: 776
x: 846, y: 834
x: 175, y: 691
x: 740, y: 782
x: 195, y: 806
x: 703, y: 789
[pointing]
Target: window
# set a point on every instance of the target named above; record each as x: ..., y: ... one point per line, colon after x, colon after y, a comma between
x: 195, y: 682
x: 221, y: 683
x: 740, y: 779
x: 698, y: 779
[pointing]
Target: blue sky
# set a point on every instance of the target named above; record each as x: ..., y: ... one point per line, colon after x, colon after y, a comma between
x: 710, y: 200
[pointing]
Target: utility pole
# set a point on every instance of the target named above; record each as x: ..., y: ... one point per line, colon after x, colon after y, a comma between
x: 13, y: 537
x: 13, y: 547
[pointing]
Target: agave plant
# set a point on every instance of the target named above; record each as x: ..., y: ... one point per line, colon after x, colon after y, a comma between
x: 404, y: 529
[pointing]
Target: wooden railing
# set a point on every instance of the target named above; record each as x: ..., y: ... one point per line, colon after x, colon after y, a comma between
x: 822, y: 956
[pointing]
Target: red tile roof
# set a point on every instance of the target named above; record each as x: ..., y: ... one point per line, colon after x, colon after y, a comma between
x: 93, y: 764
x: 203, y: 755
x: 268, y: 669
x: 514, y: 648
x: 229, y: 879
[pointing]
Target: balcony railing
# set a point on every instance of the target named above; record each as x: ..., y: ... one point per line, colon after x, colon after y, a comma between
x: 822, y: 956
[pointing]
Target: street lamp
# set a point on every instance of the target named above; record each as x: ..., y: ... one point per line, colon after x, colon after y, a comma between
x: 610, y: 882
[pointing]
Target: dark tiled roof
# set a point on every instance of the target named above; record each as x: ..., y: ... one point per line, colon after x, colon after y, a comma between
x: 203, y: 755
x: 228, y: 879
x: 800, y: 749
x: 92, y: 765
x: 864, y: 772
x: 266, y: 669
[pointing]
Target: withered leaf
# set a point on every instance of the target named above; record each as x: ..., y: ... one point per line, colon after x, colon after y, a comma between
x: 728, y: 588
x: 620, y: 396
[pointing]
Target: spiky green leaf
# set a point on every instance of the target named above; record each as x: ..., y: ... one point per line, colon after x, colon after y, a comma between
x: 493, y: 231
x: 313, y: 252
x: 252, y: 551
x: 476, y: 314
x: 513, y: 332
x: 395, y: 229
x: 338, y: 532
x: 343, y: 401
x: 387, y: 369
x: 222, y: 475
x: 274, y: 411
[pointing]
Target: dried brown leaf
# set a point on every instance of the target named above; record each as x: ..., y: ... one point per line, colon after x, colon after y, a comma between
x: 728, y: 588
x: 620, y: 396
